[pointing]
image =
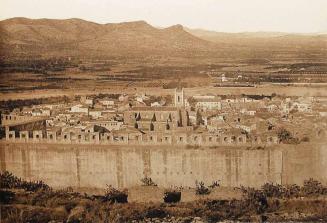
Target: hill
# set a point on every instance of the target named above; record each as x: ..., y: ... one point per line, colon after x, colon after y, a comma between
x: 25, y: 38
x: 78, y: 37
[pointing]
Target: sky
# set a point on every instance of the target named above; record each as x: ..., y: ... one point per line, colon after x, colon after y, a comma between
x: 298, y: 16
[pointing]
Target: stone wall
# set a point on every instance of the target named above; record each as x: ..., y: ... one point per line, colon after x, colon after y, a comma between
x: 123, y: 166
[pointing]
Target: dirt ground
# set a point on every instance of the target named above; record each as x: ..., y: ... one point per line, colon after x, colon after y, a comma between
x: 145, y: 194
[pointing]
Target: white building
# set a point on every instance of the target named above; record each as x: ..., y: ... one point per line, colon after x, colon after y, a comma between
x: 79, y: 109
x: 107, y: 102
x: 95, y: 113
x: 208, y: 104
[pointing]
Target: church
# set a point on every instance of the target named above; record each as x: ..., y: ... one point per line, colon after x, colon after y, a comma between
x: 160, y: 119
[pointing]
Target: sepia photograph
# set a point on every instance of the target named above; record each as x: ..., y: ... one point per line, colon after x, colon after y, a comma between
x: 175, y: 111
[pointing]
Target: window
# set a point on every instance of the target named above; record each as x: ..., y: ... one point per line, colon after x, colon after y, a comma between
x: 180, y: 138
x: 79, y: 136
x: 51, y: 136
x: 167, y: 126
x: 37, y: 136
x: 210, y: 139
x: 65, y: 136
x: 93, y: 137
x: 151, y: 138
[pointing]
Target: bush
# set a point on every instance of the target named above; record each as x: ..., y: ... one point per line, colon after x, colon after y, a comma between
x: 313, y: 187
x: 172, y: 196
x: 272, y: 190
x: 255, y: 199
x: 6, y: 196
x: 285, y: 136
x: 115, y: 196
x: 148, y: 182
x: 201, y: 189
x: 155, y: 213
x: 9, y: 181
x: 214, y: 184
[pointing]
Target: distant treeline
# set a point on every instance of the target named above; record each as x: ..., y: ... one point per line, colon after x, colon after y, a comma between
x: 12, y: 104
x: 36, y: 65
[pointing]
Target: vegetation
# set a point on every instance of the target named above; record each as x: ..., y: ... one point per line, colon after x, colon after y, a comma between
x: 285, y: 136
x: 9, y: 181
x: 12, y: 104
x: 147, y: 181
x: 172, y: 196
x: 201, y: 189
x: 115, y: 196
x: 272, y: 202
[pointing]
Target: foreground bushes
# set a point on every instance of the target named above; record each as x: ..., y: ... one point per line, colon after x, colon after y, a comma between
x: 310, y: 187
x: 172, y: 196
x: 115, y: 196
x: 68, y: 206
x: 9, y: 181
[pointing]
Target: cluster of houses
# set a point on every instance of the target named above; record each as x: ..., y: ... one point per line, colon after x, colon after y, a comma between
x: 209, y: 120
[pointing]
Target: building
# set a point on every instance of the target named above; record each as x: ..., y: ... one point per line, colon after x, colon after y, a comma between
x: 208, y: 104
x: 179, y: 97
x: 157, y: 118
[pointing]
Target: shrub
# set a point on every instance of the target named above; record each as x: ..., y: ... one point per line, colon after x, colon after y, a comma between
x: 201, y: 189
x: 9, y: 181
x: 255, y: 199
x: 146, y: 181
x: 6, y: 196
x: 313, y: 187
x: 172, y: 196
x: 155, y: 213
x: 272, y: 190
x: 115, y: 196
x: 285, y: 136
x: 214, y: 184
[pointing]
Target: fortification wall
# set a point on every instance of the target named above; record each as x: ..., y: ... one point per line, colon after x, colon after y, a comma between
x: 123, y: 166
x: 151, y: 138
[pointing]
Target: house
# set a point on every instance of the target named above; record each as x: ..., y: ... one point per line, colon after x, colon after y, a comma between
x: 208, y: 104
x: 95, y: 113
x: 107, y: 102
x: 79, y: 109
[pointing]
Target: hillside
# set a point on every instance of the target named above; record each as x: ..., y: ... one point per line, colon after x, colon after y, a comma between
x: 278, y: 43
x: 79, y: 37
x: 75, y: 37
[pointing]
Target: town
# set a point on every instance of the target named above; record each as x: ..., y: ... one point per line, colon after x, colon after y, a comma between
x: 177, y: 119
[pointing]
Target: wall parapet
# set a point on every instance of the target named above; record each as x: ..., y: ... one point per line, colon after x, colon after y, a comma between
x: 151, y: 138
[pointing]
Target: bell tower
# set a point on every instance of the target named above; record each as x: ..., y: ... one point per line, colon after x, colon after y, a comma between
x: 179, y: 97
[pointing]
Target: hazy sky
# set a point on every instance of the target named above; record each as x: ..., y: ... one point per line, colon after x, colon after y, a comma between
x: 219, y: 15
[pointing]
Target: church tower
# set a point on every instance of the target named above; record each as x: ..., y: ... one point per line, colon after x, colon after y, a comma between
x: 179, y: 97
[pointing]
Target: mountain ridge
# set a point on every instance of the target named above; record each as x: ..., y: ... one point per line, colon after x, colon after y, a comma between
x: 79, y: 35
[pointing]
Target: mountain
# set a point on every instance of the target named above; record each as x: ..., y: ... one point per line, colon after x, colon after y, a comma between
x: 78, y: 37
x: 261, y: 39
x: 75, y: 37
